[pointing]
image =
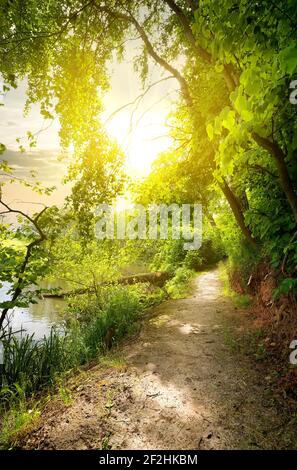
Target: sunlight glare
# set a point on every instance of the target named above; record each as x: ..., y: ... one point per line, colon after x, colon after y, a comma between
x: 141, y: 144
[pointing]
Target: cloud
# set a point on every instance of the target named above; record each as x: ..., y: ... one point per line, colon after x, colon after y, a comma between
x: 49, y: 169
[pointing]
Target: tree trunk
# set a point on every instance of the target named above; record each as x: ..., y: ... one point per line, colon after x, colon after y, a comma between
x: 237, y: 211
x: 232, y: 80
x: 285, y: 181
x: 156, y: 279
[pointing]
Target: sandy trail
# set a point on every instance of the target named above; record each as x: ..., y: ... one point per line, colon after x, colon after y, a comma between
x: 180, y: 388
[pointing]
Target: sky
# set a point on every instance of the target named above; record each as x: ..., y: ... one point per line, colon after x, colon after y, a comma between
x: 142, y: 136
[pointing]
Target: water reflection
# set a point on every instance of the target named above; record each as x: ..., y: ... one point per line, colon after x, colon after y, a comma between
x: 38, y: 318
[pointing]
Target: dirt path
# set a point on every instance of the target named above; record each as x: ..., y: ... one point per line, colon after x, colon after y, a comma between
x: 179, y: 388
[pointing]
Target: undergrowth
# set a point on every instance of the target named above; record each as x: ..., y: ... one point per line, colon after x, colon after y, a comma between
x: 31, y: 366
x: 179, y: 285
x: 93, y: 323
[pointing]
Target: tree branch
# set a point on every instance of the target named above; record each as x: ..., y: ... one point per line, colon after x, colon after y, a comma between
x: 18, y: 287
x: 285, y: 180
x: 34, y: 221
x: 200, y: 51
x: 262, y: 169
x: 43, y: 34
x: 203, y: 53
x: 237, y: 211
x: 150, y: 49
x: 139, y: 97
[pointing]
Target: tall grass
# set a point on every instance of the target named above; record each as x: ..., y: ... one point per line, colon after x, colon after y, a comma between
x: 30, y: 365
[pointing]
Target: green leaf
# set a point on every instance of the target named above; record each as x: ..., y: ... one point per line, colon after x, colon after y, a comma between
x: 229, y: 120
x: 243, y: 108
x: 209, y: 130
x: 288, y: 59
x: 251, y: 81
x: 219, y: 68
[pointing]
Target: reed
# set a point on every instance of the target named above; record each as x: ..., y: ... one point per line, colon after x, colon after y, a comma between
x: 32, y: 365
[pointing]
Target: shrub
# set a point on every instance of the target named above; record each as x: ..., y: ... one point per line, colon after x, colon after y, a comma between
x: 178, y: 286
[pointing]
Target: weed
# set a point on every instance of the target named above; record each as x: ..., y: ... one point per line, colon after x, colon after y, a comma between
x: 112, y: 360
x: 105, y: 445
x: 248, y: 342
x: 109, y: 402
x: 18, y: 419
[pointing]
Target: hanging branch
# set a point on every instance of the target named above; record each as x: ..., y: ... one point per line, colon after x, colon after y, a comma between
x: 229, y: 73
x: 137, y: 99
x: 129, y: 18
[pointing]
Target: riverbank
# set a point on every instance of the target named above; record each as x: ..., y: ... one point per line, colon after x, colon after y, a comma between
x: 180, y: 384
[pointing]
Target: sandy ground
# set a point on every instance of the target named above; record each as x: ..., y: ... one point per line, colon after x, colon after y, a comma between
x: 178, y: 386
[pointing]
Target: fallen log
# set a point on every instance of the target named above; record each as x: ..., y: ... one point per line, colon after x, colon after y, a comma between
x: 157, y: 279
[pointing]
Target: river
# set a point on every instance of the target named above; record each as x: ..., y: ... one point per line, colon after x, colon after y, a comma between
x: 37, y: 318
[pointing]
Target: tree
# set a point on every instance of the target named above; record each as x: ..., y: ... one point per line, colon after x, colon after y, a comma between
x: 249, y: 48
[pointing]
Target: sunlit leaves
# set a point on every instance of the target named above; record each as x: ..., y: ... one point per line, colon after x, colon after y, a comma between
x: 210, y: 133
x: 251, y: 81
x: 288, y: 58
x: 242, y: 106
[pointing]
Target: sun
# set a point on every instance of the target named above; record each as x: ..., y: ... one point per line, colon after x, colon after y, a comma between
x: 136, y: 117
x: 142, y: 143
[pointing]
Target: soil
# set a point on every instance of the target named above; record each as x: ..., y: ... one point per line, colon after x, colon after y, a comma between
x: 177, y: 385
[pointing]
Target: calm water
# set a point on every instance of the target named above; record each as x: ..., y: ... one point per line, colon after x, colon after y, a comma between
x: 38, y: 318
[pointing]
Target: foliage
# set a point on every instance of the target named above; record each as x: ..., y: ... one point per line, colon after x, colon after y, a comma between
x: 30, y: 365
x: 24, y: 252
x: 233, y: 131
x: 178, y: 286
x: 18, y: 419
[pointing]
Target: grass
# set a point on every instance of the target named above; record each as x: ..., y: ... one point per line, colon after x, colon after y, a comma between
x: 113, y: 360
x: 63, y: 391
x: 245, y: 341
x: 20, y: 416
x: 31, y: 366
x: 105, y: 445
x: 230, y: 339
x: 16, y: 420
x: 109, y: 402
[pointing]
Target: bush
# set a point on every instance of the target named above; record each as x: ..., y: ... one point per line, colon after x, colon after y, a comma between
x: 193, y: 260
x: 172, y: 255
x: 178, y: 286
